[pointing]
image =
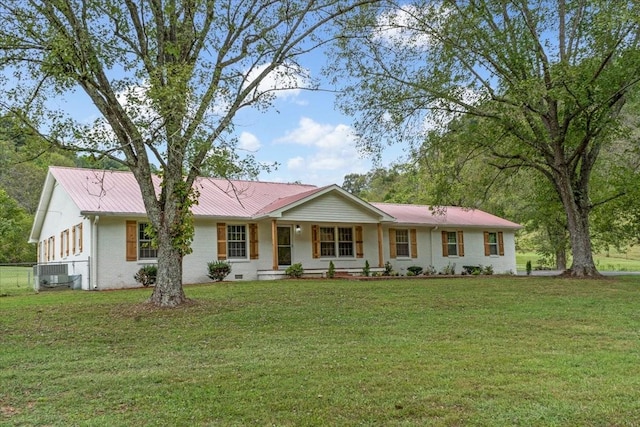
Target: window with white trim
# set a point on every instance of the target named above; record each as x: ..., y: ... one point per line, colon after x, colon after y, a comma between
x: 492, y: 243
x: 402, y: 243
x: 145, y: 247
x: 452, y: 243
x: 340, y: 247
x: 237, y: 241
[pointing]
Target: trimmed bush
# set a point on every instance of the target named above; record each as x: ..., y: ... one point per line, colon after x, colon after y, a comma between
x: 146, y: 275
x: 295, y: 271
x: 218, y: 270
x: 331, y: 272
x: 416, y: 270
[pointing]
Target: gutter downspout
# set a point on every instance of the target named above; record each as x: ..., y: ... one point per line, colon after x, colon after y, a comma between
x: 94, y: 252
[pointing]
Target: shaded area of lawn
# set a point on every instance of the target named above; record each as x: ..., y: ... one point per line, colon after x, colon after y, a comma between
x: 470, y: 351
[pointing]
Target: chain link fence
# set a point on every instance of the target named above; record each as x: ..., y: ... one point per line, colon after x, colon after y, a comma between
x: 16, y: 279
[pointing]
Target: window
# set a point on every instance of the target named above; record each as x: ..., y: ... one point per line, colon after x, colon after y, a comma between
x: 402, y: 243
x: 145, y: 249
x: 327, y: 241
x: 345, y: 241
x: 237, y: 241
x: 493, y: 243
x: 452, y: 243
x: 330, y: 246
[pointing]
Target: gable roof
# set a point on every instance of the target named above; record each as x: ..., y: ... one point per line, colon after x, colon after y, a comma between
x: 447, y: 216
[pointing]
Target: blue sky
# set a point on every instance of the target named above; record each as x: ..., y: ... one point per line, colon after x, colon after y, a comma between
x: 305, y: 133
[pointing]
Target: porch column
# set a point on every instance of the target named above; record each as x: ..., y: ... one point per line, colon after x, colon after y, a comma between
x: 274, y: 243
x: 380, y: 254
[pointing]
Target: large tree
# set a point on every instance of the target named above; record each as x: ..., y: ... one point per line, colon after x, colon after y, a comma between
x: 548, y: 79
x: 167, y: 78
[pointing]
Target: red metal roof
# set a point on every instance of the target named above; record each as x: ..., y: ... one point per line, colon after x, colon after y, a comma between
x: 117, y: 192
x: 450, y: 216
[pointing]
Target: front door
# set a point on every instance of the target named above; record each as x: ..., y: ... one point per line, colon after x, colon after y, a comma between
x: 284, y: 246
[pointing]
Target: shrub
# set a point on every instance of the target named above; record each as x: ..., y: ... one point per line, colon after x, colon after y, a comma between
x: 449, y: 269
x: 429, y: 271
x: 331, y: 272
x: 295, y: 271
x: 488, y: 270
x: 416, y: 270
x: 218, y: 270
x: 388, y: 269
x: 366, y: 270
x: 146, y: 275
x: 528, y: 268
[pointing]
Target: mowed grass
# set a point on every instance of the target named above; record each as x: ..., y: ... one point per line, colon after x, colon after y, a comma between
x: 612, y: 261
x: 478, y: 351
x: 16, y: 280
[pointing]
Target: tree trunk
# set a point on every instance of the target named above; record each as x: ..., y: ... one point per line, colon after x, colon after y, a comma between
x: 168, y: 290
x: 561, y: 259
x: 576, y: 205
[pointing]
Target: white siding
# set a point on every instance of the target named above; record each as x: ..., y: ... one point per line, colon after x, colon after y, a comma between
x: 62, y: 214
x: 329, y: 208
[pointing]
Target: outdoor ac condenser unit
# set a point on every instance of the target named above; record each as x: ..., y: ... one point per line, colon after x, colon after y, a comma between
x: 50, y: 276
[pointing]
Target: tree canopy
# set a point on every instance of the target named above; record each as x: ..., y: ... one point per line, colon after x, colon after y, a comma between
x: 167, y: 78
x: 546, y: 81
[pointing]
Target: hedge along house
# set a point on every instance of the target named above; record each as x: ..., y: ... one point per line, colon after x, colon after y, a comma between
x: 91, y: 224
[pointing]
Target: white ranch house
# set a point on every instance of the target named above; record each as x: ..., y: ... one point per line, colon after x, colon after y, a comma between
x: 89, y: 230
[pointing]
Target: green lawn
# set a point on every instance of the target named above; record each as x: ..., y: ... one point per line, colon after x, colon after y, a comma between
x: 483, y: 351
x: 16, y: 280
x: 614, y: 261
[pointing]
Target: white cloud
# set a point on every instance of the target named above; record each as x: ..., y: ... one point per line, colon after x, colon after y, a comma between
x: 409, y: 25
x: 249, y: 142
x: 284, y: 82
x: 331, y: 152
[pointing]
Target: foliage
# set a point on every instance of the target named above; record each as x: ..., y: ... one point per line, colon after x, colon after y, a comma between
x: 388, y: 269
x: 295, y: 271
x: 218, y: 270
x: 15, y: 225
x: 366, y: 270
x: 331, y: 272
x: 449, y: 269
x: 528, y: 267
x: 167, y: 83
x: 488, y: 270
x: 147, y: 275
x: 416, y: 270
x: 539, y: 87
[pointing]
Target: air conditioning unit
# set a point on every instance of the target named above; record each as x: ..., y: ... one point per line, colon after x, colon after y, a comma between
x: 50, y: 276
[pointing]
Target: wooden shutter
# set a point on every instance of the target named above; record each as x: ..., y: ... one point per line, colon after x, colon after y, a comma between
x: 359, y: 242
x: 132, y: 241
x: 315, y: 241
x: 487, y: 247
x: 73, y: 239
x: 53, y: 248
x: 414, y: 243
x: 80, y: 239
x: 67, y: 236
x: 500, y: 244
x: 253, y: 241
x: 393, y: 253
x: 61, y: 244
x: 222, y: 240
x: 445, y: 244
x: 460, y: 243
